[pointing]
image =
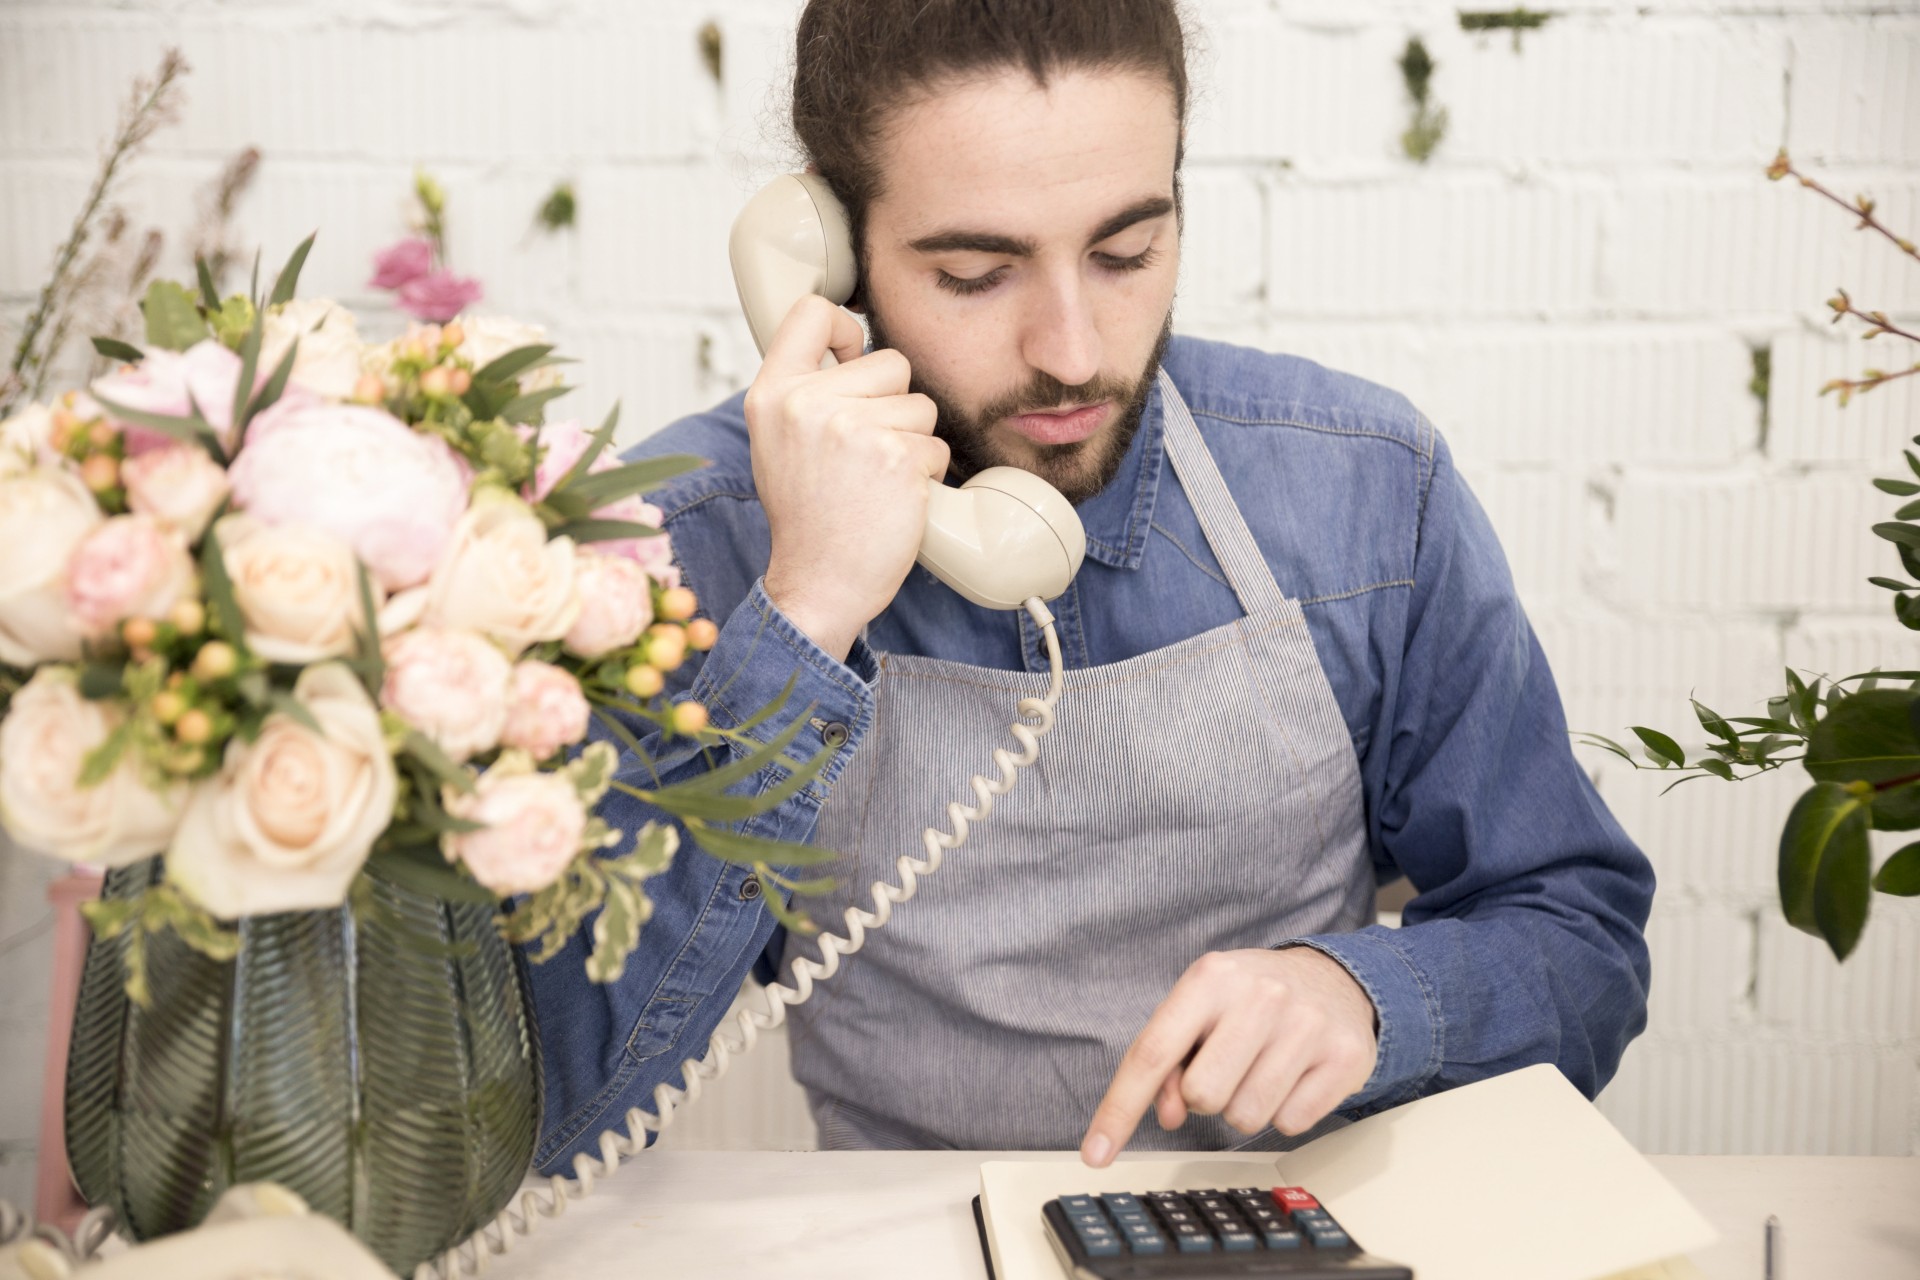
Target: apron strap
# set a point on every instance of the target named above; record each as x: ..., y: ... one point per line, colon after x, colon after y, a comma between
x: 1220, y: 519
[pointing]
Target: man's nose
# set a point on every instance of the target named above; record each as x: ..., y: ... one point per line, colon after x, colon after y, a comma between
x: 1060, y: 337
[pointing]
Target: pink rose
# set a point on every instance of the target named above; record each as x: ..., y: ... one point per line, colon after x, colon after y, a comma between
x: 129, y: 567
x: 178, y: 485
x: 389, y: 492
x: 171, y: 383
x: 402, y: 263
x: 545, y: 710
x: 438, y: 296
x: 451, y: 686
x: 534, y: 825
x: 615, y: 604
x: 561, y: 444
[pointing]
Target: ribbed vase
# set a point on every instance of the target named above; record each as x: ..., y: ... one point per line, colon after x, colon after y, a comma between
x: 383, y: 1066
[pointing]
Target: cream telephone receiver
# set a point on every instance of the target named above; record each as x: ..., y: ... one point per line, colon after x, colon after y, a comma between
x: 1006, y: 540
x: 1004, y: 537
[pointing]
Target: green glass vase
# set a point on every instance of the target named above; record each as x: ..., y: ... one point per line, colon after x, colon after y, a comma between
x: 381, y: 1063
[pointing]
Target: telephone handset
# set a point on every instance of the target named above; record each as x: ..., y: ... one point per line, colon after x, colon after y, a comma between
x: 1003, y: 537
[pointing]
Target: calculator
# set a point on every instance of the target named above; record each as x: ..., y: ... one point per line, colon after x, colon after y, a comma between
x: 1198, y: 1235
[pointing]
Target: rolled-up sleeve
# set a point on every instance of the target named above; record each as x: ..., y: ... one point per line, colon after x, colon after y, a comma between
x: 1525, y: 943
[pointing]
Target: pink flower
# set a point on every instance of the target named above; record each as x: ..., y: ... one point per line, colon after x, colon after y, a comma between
x: 386, y: 490
x: 179, y: 485
x: 545, y: 710
x: 451, y: 686
x: 615, y: 604
x: 561, y: 444
x: 534, y: 825
x: 171, y: 383
x: 438, y: 296
x: 402, y: 262
x: 128, y: 567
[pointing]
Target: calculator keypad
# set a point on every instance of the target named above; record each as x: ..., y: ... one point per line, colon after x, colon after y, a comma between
x: 1237, y: 1222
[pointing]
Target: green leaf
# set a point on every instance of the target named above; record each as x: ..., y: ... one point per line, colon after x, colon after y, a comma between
x: 753, y: 762
x: 1802, y: 701
x: 604, y: 530
x: 249, y: 365
x: 1660, y: 746
x: 1899, y: 488
x: 1718, y: 768
x: 174, y: 323
x: 1713, y: 722
x: 289, y: 278
x: 114, y: 349
x: 1823, y: 866
x: 524, y: 408
x: 731, y: 846
x: 185, y: 430
x: 209, y: 293
x: 228, y: 620
x: 1897, y: 808
x: 1892, y: 584
x: 772, y: 709
x: 369, y: 634
x: 425, y: 870
x: 428, y: 752
x: 615, y: 483
x: 616, y: 931
x: 1910, y: 560
x: 1900, y: 874
x: 275, y: 386
x: 100, y: 680
x: 510, y: 364
x: 1868, y: 737
x: 1608, y: 744
x: 1907, y: 535
x: 1907, y: 610
x: 584, y: 463
x: 1908, y: 512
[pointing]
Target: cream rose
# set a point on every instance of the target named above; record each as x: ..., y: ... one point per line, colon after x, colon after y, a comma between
x: 44, y: 742
x: 292, y: 815
x: 503, y: 576
x: 180, y: 485
x: 328, y: 360
x: 26, y: 439
x: 451, y: 686
x: 129, y: 567
x: 616, y: 604
x: 44, y: 514
x: 533, y: 826
x: 298, y: 589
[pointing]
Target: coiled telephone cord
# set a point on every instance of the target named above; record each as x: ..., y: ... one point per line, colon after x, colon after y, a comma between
x: 472, y: 1256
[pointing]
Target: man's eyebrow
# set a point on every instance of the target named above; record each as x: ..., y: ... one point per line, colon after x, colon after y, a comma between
x: 1022, y: 247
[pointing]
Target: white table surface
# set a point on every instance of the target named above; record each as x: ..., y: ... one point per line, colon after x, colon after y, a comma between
x: 839, y: 1215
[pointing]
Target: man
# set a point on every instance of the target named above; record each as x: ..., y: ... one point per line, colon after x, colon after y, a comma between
x: 1297, y: 667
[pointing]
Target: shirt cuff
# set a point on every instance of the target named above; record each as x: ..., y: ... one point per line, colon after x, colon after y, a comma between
x: 758, y: 652
x: 1408, y: 1053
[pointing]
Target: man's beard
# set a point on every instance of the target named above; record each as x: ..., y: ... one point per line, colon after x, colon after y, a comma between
x: 1078, y: 470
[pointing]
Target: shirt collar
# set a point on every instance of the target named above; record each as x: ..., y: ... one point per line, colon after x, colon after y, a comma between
x: 1118, y: 518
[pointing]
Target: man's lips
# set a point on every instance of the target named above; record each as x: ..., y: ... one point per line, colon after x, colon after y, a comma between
x: 1063, y: 426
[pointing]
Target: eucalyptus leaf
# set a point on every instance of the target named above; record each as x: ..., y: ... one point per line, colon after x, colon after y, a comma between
x: 249, y: 365
x: 583, y: 464
x: 209, y: 292
x: 114, y: 349
x: 1827, y: 828
x: 99, y: 680
x: 1900, y: 874
x: 275, y: 386
x: 604, y: 530
x: 289, y: 278
x: 511, y: 364
x: 228, y: 620
x: 1907, y: 535
x: 522, y: 409
x: 615, y: 483
x: 1660, y: 746
x: 295, y: 710
x: 732, y: 846
x: 428, y: 752
x: 173, y: 322
x: 185, y: 430
x: 1899, y: 488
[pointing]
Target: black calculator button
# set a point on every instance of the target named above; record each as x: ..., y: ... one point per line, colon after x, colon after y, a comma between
x: 1119, y: 1204
x: 1282, y: 1238
x: 1238, y: 1242
x: 1331, y: 1239
x: 1076, y: 1204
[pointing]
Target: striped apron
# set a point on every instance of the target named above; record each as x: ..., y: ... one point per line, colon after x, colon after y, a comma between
x: 1201, y: 797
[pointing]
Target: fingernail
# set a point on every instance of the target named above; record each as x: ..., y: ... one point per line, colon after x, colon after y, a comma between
x: 1096, y: 1151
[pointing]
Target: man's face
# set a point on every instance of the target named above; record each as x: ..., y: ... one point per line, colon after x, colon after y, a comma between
x: 1022, y: 256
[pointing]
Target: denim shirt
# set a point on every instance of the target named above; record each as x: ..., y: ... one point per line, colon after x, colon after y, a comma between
x: 1524, y: 943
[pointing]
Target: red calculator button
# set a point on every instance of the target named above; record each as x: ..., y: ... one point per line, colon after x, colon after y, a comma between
x: 1291, y: 1198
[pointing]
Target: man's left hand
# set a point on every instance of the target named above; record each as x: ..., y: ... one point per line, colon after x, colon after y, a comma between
x: 1281, y: 1036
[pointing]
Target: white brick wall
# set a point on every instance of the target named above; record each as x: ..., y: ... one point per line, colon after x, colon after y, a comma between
x: 1573, y: 289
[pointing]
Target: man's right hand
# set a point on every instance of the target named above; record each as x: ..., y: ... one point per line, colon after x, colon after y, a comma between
x: 841, y: 459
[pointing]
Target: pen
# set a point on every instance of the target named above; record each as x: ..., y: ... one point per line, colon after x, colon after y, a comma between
x: 1772, y: 1271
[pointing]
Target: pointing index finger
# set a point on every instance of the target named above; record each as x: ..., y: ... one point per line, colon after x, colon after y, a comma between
x: 1162, y: 1045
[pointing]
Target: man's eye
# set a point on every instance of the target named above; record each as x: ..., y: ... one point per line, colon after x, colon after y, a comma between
x: 1112, y: 263
x: 964, y: 285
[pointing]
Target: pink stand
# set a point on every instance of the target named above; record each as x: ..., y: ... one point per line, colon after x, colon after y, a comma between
x: 56, y: 1201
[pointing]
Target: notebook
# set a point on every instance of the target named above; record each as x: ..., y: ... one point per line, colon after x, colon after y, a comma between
x: 1514, y: 1178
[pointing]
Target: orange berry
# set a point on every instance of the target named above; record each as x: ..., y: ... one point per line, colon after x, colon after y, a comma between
x: 436, y: 381
x: 216, y: 660
x: 100, y: 472
x: 677, y: 604
x: 644, y: 681
x: 459, y: 381
x: 193, y: 727
x: 452, y: 336
x: 689, y: 718
x: 101, y: 434
x: 369, y: 389
x: 139, y: 633
x: 702, y: 634
x: 168, y: 707
x: 188, y: 617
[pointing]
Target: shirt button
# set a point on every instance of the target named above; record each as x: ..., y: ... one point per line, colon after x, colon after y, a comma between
x: 750, y: 888
x: 834, y: 735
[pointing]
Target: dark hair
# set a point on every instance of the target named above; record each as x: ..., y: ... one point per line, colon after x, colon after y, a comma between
x: 857, y: 60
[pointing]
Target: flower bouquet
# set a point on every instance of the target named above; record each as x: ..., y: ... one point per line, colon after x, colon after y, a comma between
x: 303, y: 639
